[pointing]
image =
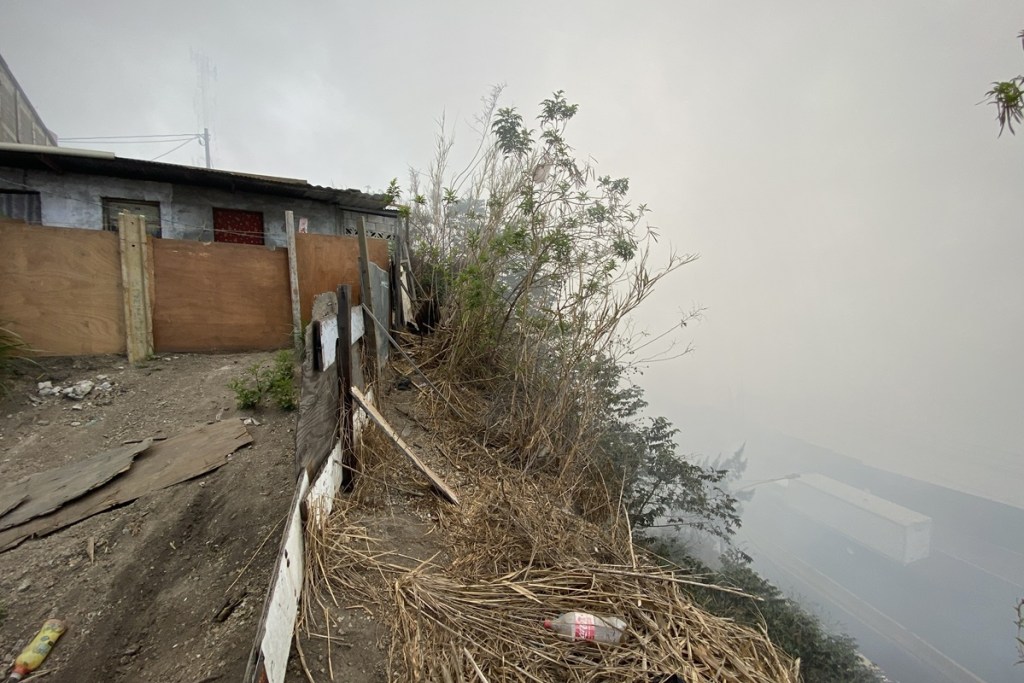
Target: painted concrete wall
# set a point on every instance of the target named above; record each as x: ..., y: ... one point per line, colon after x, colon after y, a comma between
x: 186, y: 212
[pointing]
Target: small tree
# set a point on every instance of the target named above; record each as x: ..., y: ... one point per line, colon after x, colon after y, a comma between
x: 1008, y: 98
x: 659, y: 487
x: 537, y: 261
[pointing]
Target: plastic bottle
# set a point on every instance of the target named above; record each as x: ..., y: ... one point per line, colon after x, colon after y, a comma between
x: 584, y: 626
x: 33, y: 655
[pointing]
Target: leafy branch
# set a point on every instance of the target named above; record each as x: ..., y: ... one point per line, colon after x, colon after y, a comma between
x: 1008, y: 98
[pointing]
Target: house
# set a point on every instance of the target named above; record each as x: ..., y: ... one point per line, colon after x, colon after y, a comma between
x: 19, y: 121
x: 76, y: 188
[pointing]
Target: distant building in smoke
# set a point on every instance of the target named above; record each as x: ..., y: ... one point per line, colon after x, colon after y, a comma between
x: 19, y: 121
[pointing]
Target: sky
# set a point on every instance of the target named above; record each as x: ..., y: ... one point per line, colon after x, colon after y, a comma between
x: 858, y: 218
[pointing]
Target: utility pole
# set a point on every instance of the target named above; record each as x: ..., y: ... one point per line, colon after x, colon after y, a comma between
x: 206, y: 145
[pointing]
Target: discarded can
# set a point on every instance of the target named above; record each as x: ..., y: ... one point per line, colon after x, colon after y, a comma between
x: 584, y: 626
x: 32, y: 656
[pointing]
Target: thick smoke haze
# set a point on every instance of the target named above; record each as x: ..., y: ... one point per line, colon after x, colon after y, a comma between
x: 858, y: 219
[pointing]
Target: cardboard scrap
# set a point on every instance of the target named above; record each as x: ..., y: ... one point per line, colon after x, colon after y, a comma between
x: 10, y: 499
x: 163, y: 464
x: 47, y: 491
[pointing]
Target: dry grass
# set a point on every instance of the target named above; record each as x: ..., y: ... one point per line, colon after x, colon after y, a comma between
x: 446, y: 624
x: 515, y: 553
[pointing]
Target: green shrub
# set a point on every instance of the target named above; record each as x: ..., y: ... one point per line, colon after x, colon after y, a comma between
x: 282, y: 388
x: 274, y: 381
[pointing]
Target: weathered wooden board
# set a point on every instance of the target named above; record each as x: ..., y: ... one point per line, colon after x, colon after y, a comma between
x: 138, y: 309
x: 163, y: 464
x: 316, y: 428
x: 220, y: 297
x: 47, y: 491
x: 60, y: 289
x: 435, y: 480
x: 269, y: 656
x: 326, y: 261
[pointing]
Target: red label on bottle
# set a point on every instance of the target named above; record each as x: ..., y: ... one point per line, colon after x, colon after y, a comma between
x: 585, y: 629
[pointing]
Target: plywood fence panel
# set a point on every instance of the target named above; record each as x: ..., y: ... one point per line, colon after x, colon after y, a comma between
x: 220, y: 297
x: 326, y: 261
x: 60, y: 289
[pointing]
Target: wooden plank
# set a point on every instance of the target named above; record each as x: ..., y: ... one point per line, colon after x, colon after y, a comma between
x: 47, y: 491
x: 326, y: 261
x: 316, y: 428
x: 435, y: 480
x: 61, y: 289
x: 293, y: 280
x: 163, y: 464
x: 345, y: 381
x: 367, y: 286
x: 132, y: 237
x: 269, y: 656
x: 398, y: 312
x: 220, y: 297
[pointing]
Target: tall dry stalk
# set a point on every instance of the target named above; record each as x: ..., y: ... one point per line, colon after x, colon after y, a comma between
x: 537, y: 263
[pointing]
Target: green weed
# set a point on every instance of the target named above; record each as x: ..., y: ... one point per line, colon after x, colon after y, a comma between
x: 263, y: 381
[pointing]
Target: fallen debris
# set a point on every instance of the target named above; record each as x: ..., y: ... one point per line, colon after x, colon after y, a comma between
x: 32, y: 657
x: 435, y: 480
x: 77, y: 391
x: 47, y: 491
x: 158, y: 466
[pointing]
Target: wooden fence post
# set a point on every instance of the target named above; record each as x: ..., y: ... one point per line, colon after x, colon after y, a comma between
x: 293, y: 280
x: 346, y: 424
x: 138, y: 315
x: 366, y: 294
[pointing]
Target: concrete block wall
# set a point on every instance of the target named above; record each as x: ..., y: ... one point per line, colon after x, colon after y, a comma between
x: 76, y: 201
x: 186, y: 212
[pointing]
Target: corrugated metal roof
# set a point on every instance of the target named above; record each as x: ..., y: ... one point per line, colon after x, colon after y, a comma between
x: 65, y: 160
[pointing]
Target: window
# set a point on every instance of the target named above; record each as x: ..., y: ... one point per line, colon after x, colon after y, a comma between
x: 18, y: 205
x: 235, y: 225
x: 149, y: 210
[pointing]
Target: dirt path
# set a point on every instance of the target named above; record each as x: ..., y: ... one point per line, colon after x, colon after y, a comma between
x: 166, y: 598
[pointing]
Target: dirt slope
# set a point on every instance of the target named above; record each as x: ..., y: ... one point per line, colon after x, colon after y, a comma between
x: 166, y: 598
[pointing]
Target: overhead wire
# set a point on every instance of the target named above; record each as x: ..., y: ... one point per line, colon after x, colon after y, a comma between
x: 132, y: 142
x: 161, y: 156
x: 129, y: 137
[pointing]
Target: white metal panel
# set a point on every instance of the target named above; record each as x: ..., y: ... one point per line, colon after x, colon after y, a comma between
x: 328, y: 341
x: 321, y: 494
x: 357, y: 323
x: 284, y: 599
